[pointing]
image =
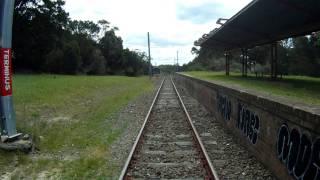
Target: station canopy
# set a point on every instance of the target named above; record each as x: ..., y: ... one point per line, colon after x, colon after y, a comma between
x: 263, y: 22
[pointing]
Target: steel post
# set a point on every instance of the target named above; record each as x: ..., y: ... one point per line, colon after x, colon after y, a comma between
x: 246, y: 63
x: 242, y: 61
x: 274, y: 59
x: 8, y: 121
x: 227, y: 55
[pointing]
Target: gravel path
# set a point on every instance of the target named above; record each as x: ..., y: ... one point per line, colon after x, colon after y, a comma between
x: 230, y: 160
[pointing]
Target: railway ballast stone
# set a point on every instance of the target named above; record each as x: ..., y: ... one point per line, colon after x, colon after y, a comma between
x: 229, y: 158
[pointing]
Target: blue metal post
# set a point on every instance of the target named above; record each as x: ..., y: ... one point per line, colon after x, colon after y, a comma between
x: 8, y: 120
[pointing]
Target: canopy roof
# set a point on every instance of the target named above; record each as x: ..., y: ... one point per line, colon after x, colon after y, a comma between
x: 265, y: 21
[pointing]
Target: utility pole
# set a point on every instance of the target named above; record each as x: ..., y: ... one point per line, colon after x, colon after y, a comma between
x: 174, y: 65
x: 8, y: 119
x: 177, y: 67
x: 150, y: 66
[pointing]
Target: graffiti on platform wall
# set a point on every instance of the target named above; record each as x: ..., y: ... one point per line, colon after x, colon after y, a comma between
x: 248, y: 122
x: 298, y: 153
x: 224, y: 106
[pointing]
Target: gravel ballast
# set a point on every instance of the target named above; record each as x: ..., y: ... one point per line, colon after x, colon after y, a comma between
x: 167, y: 139
x: 230, y: 159
x: 130, y: 118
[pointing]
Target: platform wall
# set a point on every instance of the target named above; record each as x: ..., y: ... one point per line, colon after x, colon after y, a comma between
x: 285, y: 139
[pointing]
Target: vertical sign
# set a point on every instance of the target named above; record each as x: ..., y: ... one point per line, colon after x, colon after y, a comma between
x: 6, y: 72
x: 7, y: 121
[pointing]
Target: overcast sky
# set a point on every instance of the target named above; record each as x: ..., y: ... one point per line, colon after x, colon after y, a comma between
x: 173, y: 24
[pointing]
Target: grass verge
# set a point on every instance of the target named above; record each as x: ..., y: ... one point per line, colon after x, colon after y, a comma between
x: 69, y: 117
x: 298, y: 88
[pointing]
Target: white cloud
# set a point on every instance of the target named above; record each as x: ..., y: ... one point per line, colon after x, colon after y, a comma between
x: 159, y: 17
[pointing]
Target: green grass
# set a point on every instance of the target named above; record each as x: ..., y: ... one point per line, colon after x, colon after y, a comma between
x: 71, y: 115
x: 298, y: 88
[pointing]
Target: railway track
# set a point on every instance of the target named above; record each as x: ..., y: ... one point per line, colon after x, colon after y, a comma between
x: 168, y: 145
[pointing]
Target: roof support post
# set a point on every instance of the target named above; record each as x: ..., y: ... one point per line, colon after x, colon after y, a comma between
x: 274, y: 61
x: 244, y: 61
x: 227, y: 55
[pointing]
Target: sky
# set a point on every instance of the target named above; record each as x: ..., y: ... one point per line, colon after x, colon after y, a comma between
x: 173, y: 24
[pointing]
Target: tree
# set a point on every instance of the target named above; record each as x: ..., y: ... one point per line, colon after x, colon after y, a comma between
x: 98, y: 63
x: 135, y: 63
x: 302, y: 59
x: 45, y: 39
x: 72, y: 58
x: 84, y: 28
x: 111, y: 47
x: 104, y: 25
x: 195, y: 51
x: 37, y: 29
x: 54, y: 61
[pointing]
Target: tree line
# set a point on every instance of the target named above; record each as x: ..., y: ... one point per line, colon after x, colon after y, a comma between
x: 296, y: 56
x: 47, y: 40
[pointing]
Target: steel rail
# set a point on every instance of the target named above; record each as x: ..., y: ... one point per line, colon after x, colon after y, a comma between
x: 212, y: 174
x: 138, y: 139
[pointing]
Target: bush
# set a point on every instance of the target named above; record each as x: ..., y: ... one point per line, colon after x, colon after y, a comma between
x: 72, y: 58
x: 98, y: 65
x: 54, y: 61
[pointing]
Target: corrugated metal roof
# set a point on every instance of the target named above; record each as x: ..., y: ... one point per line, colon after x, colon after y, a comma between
x: 265, y: 21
